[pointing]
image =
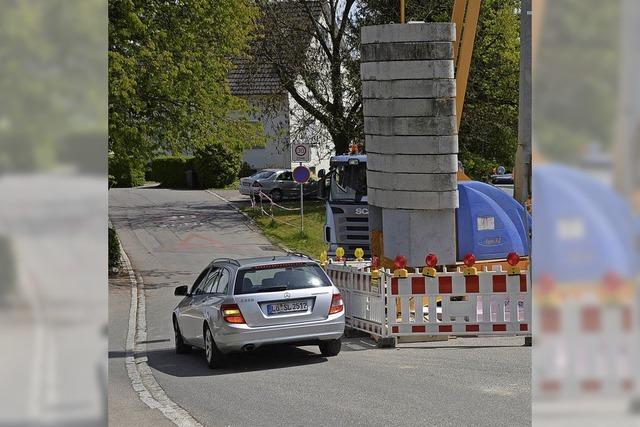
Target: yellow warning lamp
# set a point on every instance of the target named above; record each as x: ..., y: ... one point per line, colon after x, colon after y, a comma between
x: 323, y: 259
x: 359, y: 253
x: 469, y: 260
x: 400, y: 263
x: 513, y: 259
x: 340, y: 253
x: 431, y: 261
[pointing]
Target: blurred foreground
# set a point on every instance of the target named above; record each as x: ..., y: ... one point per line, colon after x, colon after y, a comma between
x: 585, y: 213
x: 53, y: 245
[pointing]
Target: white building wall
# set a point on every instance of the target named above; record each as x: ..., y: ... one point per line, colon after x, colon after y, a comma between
x: 273, y: 113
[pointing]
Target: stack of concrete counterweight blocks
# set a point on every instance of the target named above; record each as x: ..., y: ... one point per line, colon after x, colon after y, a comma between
x: 408, y: 91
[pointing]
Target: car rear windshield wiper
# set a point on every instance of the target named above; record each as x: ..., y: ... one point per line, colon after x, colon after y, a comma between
x: 272, y: 289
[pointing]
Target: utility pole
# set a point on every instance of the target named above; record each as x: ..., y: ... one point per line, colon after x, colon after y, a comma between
x: 523, y: 168
x: 402, y: 11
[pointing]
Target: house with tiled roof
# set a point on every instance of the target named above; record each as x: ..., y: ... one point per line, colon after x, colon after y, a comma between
x: 256, y: 80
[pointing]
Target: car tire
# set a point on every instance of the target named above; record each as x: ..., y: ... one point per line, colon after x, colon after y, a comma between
x: 276, y: 195
x: 213, y: 356
x: 181, y: 347
x: 330, y: 348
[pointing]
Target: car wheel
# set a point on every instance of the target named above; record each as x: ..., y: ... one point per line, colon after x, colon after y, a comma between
x: 181, y: 347
x: 330, y: 348
x: 276, y: 195
x: 213, y: 356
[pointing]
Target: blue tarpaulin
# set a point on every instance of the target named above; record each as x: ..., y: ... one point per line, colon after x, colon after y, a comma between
x: 490, y: 223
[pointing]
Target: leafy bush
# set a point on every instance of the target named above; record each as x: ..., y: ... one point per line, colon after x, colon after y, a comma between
x: 114, y: 250
x: 216, y: 165
x: 171, y: 171
x: 126, y: 171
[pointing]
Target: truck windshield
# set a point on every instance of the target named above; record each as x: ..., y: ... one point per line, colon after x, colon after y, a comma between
x: 349, y: 182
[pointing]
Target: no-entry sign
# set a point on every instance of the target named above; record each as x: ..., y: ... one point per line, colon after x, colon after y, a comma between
x: 300, y: 152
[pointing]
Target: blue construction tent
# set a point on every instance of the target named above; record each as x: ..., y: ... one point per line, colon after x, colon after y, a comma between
x: 583, y: 229
x: 490, y: 223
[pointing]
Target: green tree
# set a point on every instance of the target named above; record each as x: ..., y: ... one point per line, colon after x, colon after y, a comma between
x: 168, y: 65
x: 488, y: 133
x: 52, y: 74
x: 314, y: 47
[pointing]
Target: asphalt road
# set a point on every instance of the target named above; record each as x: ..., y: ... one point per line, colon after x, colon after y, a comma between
x: 171, y: 235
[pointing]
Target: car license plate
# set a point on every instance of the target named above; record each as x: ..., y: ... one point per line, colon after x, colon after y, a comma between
x: 287, y: 307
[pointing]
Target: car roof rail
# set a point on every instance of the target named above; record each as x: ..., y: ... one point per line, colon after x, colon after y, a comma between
x: 231, y: 260
x: 298, y: 254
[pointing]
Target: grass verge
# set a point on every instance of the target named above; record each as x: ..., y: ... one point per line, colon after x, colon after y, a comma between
x: 311, y: 242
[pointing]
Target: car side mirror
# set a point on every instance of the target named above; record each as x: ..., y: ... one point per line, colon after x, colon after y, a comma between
x: 181, y: 291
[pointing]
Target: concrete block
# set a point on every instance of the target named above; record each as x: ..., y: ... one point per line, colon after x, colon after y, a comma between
x: 429, y: 126
x: 393, y: 199
x: 413, y: 163
x: 431, y: 31
x: 409, y: 107
x: 399, y: 70
x: 380, y: 144
x: 412, y: 181
x: 406, y: 51
x: 375, y: 218
x: 390, y: 89
x: 414, y: 234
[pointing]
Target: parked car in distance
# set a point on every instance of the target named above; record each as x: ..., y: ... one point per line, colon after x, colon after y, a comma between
x: 505, y: 178
x: 240, y: 305
x: 278, y: 184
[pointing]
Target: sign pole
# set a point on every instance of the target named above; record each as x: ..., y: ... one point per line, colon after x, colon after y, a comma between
x: 301, y: 208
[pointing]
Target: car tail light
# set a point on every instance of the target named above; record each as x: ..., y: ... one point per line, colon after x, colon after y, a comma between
x: 231, y: 313
x: 256, y: 184
x: 336, y: 304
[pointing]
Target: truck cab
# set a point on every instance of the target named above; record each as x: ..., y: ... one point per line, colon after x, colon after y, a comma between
x: 489, y: 222
x: 344, y: 187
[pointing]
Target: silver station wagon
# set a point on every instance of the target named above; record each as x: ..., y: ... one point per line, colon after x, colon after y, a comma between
x: 240, y: 305
x: 278, y: 184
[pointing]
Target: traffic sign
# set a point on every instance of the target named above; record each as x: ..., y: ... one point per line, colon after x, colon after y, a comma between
x: 301, y: 174
x: 300, y: 152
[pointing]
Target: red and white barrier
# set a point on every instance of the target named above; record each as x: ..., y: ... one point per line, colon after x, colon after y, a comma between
x: 586, y: 347
x: 489, y: 303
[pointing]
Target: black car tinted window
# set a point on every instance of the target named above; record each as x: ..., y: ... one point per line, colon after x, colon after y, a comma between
x: 223, y: 282
x: 209, y: 285
x: 280, y: 277
x: 199, y: 280
x: 285, y: 176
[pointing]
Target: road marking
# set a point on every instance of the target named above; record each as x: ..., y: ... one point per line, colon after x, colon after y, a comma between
x: 140, y: 374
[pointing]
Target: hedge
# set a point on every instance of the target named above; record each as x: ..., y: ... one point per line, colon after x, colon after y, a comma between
x: 126, y: 172
x: 114, y: 250
x: 216, y: 165
x: 8, y: 276
x: 171, y: 171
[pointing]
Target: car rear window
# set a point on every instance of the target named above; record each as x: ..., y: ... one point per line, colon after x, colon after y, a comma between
x: 281, y: 277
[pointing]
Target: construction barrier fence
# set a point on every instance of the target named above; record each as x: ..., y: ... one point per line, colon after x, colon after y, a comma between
x: 451, y: 303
